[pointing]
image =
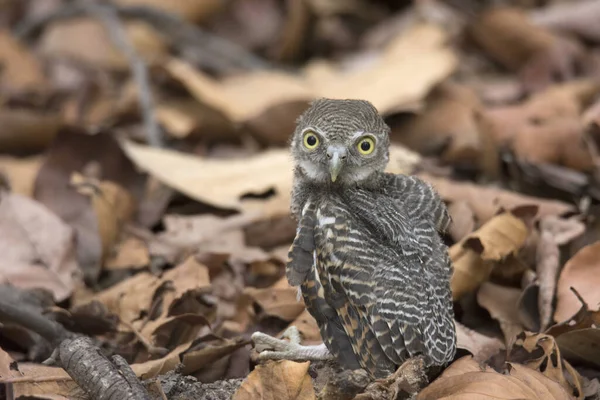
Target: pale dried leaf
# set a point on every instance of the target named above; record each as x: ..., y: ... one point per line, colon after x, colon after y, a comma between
x: 501, y: 302
x: 580, y: 346
x: 475, y: 256
x: 581, y: 273
x: 153, y: 368
x: 20, y: 69
x: 40, y: 380
x: 38, y: 248
x: 229, y: 180
x: 467, y: 379
x: 413, y: 63
x: 540, y: 352
x: 86, y: 40
x: 487, y: 201
x: 20, y: 173
x: 547, y: 266
x: 277, y: 380
x: 482, y: 347
x: 131, y: 253
x: 278, y: 302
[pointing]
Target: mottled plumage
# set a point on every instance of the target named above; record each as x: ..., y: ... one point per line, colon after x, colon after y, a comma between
x: 372, y: 267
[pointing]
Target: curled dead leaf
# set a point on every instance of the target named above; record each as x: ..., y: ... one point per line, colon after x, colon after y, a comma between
x: 480, y: 346
x: 102, y: 197
x: 230, y: 180
x: 466, y: 378
x: 475, y: 256
x: 280, y: 301
x: 487, y: 201
x: 38, y: 248
x: 452, y: 126
x: 580, y: 272
x: 540, y: 352
x: 277, y: 380
x: 502, y: 304
x: 20, y: 69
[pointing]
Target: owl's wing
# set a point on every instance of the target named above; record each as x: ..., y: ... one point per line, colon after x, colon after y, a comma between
x: 381, y: 284
x: 408, y: 263
x: 419, y: 198
x: 301, y: 253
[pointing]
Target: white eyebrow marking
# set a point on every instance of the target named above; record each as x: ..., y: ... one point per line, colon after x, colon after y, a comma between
x: 357, y: 134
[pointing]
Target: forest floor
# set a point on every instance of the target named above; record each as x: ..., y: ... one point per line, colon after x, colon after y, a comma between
x: 145, y: 189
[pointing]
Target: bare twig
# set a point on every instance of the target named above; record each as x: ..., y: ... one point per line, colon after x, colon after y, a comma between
x: 109, y: 18
x: 78, y: 355
x: 13, y: 310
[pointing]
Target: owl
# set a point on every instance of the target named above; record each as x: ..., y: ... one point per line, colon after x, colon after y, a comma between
x: 368, y: 256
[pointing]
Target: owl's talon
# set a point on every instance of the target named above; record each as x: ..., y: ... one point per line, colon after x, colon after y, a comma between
x: 271, y: 348
x: 293, y: 334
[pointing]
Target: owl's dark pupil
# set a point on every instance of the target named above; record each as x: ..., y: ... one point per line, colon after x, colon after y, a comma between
x: 311, y: 140
x: 365, y: 146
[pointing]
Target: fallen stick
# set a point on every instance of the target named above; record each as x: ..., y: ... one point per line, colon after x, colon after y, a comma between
x: 83, y: 360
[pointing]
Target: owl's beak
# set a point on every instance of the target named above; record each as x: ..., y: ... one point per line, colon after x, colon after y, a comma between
x: 336, y: 161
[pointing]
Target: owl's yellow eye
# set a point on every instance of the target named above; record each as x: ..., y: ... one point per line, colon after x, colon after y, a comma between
x: 311, y: 141
x: 366, y: 146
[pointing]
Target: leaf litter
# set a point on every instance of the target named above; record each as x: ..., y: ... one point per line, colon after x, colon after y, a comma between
x: 171, y: 257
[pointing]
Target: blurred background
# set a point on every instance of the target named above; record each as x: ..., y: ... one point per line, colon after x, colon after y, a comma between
x: 145, y: 174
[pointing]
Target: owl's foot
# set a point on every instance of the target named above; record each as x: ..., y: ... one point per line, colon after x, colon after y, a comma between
x: 271, y: 348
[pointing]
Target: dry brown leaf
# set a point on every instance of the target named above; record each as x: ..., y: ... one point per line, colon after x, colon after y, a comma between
x: 572, y: 18
x: 26, y: 131
x: 540, y: 352
x: 130, y: 298
x: 308, y: 328
x: 85, y: 39
x: 467, y: 379
x: 191, y: 10
x: 577, y: 337
x: 581, y: 273
x: 475, y: 256
x: 98, y: 216
x: 508, y: 36
x: 205, y: 351
x: 187, y: 118
x: 547, y: 267
x: 413, y: 62
x: 501, y: 302
x: 38, y: 248
x: 153, y: 368
x: 229, y: 180
x: 280, y: 301
x: 189, y: 278
x: 20, y: 69
x: 132, y: 253
x: 463, y: 220
x: 581, y: 346
x: 113, y: 207
x: 20, y: 173
x: 547, y: 128
x: 452, y: 126
x: 487, y: 201
x: 480, y: 346
x: 41, y: 380
x: 277, y: 380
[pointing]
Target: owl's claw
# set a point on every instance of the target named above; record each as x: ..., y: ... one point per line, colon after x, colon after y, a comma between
x: 271, y: 348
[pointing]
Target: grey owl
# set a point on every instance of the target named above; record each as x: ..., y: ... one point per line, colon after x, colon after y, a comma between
x: 368, y: 257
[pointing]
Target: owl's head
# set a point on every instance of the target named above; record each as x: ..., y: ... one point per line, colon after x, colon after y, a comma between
x: 340, y: 141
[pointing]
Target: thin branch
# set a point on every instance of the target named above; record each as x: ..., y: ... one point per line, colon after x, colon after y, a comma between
x: 109, y: 18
